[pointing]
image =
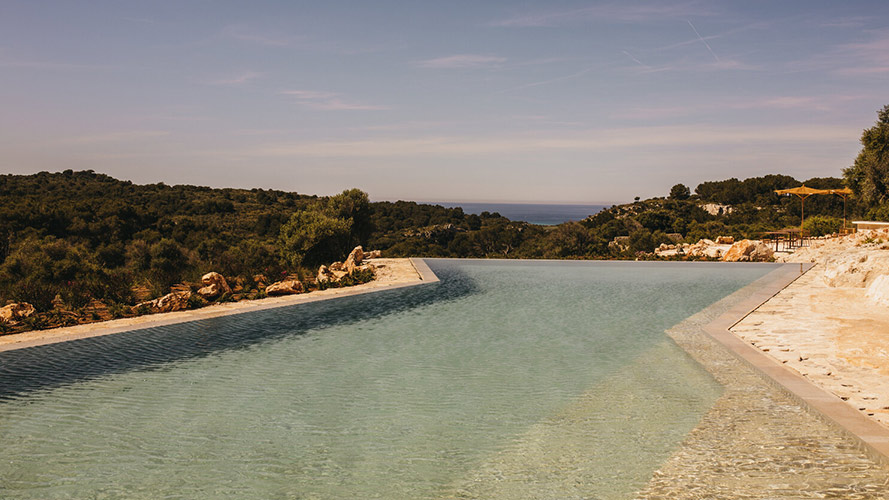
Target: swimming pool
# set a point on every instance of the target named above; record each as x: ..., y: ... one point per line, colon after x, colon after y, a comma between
x: 422, y: 392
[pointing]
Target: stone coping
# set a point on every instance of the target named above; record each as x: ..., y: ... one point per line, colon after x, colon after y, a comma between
x: 65, y: 334
x: 873, y: 437
x: 423, y: 270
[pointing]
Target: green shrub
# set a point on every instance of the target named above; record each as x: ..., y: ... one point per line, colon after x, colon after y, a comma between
x: 820, y: 225
x: 357, y: 277
x: 196, y: 301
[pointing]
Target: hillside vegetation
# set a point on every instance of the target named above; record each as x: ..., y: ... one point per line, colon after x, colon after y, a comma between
x: 82, y: 241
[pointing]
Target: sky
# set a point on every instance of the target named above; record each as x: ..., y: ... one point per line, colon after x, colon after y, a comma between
x: 497, y: 101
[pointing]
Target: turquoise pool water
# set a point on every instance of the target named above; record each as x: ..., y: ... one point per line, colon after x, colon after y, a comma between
x: 551, y: 370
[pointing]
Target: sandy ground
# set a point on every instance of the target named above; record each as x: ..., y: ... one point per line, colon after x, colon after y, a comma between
x: 389, y: 273
x: 833, y: 336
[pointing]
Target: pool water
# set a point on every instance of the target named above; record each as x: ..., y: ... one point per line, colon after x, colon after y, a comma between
x: 552, y: 372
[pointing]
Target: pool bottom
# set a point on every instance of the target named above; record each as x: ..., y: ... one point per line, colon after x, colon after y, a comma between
x: 603, y: 444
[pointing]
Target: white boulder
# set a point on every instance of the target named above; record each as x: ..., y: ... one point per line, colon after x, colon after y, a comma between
x: 878, y: 291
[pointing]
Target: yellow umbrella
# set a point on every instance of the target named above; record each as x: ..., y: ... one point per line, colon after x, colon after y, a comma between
x: 803, y: 192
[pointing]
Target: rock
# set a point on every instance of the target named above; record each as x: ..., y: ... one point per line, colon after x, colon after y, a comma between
x: 356, y: 256
x: 845, y: 270
x: 16, y: 311
x: 620, y: 243
x: 285, y: 287
x: 739, y: 251
x: 857, y: 269
x: 704, y: 248
x: 337, y: 266
x: 175, y: 301
x: 762, y: 253
x: 214, y: 286
x: 725, y: 240
x: 58, y: 303
x: 324, y: 275
x: 373, y: 254
x: 878, y: 291
x: 748, y: 251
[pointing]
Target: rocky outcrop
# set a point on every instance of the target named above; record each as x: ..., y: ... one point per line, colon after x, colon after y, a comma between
x: 704, y: 248
x: 620, y: 243
x: 175, y: 301
x: 857, y: 269
x: 15, y: 312
x: 284, y: 287
x: 325, y: 275
x: 356, y: 256
x: 847, y: 270
x: 214, y: 286
x: 745, y: 250
x: 749, y: 251
x: 373, y: 254
x: 878, y: 291
x: 716, y: 208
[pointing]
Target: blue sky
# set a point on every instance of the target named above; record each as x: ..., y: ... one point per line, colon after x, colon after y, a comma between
x: 557, y: 101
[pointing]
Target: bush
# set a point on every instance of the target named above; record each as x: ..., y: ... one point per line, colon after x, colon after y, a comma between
x: 38, y: 270
x: 311, y: 237
x: 195, y: 301
x: 820, y: 225
x: 642, y: 241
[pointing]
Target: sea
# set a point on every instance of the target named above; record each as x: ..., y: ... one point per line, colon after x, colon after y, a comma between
x: 534, y: 213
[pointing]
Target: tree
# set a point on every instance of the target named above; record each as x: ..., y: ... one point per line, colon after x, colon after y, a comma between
x: 312, y: 237
x: 353, y: 205
x: 868, y: 177
x: 680, y: 192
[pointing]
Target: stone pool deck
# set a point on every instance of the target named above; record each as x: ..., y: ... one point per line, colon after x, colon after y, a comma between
x: 824, y: 327
x: 773, y: 434
x: 390, y: 273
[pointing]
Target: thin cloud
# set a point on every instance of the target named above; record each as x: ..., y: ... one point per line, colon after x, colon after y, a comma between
x: 614, y: 139
x: 462, y: 61
x: 870, y: 57
x: 122, y: 136
x: 315, y: 99
x: 236, y: 80
x: 698, y: 67
x: 243, y: 34
x: 50, y: 65
x: 848, y: 22
x: 822, y: 103
x: 614, y: 12
x: 548, y: 81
